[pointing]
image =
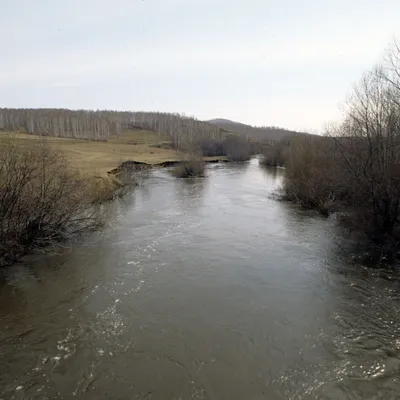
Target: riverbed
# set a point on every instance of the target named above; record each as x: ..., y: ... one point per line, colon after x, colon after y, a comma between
x: 204, y: 288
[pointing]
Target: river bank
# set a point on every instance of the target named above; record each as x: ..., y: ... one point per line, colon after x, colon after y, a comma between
x: 99, y: 158
x: 66, y: 180
x: 133, y: 166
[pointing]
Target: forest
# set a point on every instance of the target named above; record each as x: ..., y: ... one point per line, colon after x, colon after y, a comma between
x: 99, y: 125
x: 266, y: 134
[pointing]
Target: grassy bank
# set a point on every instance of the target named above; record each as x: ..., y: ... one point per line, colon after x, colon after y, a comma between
x: 97, y: 158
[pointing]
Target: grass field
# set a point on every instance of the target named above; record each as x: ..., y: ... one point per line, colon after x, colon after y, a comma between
x: 96, y: 158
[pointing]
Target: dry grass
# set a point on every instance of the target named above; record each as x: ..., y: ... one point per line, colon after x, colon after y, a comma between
x: 96, y: 158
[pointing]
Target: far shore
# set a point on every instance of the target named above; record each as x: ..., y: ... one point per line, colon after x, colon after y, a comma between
x: 102, y: 159
x: 133, y: 165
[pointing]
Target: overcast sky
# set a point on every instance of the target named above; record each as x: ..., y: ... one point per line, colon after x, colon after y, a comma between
x: 265, y: 62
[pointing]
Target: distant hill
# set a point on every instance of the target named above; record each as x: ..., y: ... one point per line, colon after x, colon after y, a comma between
x: 267, y: 133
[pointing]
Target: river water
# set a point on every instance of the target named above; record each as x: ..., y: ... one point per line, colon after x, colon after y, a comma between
x: 201, y: 289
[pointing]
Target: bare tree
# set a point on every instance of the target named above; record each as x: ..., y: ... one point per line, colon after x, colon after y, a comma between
x: 357, y: 167
x: 369, y: 142
x: 41, y: 198
x: 79, y: 124
x: 184, y: 131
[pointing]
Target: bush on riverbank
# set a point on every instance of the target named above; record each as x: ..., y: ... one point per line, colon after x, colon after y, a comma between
x: 313, y: 173
x: 356, y: 167
x: 275, y: 156
x: 212, y: 148
x: 190, y: 169
x: 41, y: 198
x: 236, y: 148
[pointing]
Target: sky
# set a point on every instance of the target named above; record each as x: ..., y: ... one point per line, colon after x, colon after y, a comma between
x: 285, y: 63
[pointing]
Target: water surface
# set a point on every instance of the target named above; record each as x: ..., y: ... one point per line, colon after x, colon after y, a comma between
x: 201, y: 289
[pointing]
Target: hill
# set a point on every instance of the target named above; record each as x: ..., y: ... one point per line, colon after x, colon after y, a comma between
x: 264, y: 133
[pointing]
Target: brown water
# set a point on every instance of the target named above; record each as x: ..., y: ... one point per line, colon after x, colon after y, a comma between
x: 204, y: 289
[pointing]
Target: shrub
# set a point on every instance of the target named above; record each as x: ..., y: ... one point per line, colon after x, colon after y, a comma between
x: 237, y: 148
x: 275, y: 156
x: 312, y: 174
x: 190, y: 169
x: 212, y: 148
x: 41, y: 198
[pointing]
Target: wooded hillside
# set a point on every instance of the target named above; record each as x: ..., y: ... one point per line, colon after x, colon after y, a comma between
x: 260, y: 133
x: 99, y: 125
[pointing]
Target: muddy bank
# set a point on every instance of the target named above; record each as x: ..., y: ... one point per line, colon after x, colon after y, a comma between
x: 130, y: 166
x: 133, y: 166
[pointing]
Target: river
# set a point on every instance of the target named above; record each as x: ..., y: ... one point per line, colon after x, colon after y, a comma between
x: 201, y: 289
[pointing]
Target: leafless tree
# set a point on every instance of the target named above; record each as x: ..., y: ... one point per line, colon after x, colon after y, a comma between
x: 369, y: 142
x: 357, y: 167
x: 79, y: 124
x: 184, y: 131
x: 41, y: 198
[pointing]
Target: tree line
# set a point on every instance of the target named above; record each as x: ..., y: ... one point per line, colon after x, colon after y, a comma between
x: 99, y: 125
x: 78, y: 124
x: 265, y: 134
x: 184, y: 131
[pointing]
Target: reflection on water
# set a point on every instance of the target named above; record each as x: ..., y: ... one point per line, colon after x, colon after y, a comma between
x: 201, y: 289
x: 276, y: 174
